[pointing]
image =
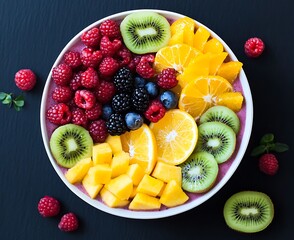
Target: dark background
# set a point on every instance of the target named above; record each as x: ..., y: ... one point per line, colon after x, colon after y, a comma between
x: 32, y: 34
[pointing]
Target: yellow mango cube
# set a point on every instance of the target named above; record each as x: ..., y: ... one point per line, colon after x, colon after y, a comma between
x: 136, y: 173
x: 114, y: 143
x: 100, y: 174
x: 78, y: 171
x: 144, y: 202
x: 119, y: 163
x: 111, y: 200
x: 101, y: 153
x: 134, y: 192
x: 150, y: 186
x: 167, y: 172
x: 121, y: 186
x: 161, y: 191
x: 91, y: 189
x: 173, y: 195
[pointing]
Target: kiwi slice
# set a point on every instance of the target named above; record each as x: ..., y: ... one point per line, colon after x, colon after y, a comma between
x: 222, y: 114
x: 145, y: 32
x: 249, y: 211
x: 199, y: 172
x: 218, y: 139
x: 69, y: 144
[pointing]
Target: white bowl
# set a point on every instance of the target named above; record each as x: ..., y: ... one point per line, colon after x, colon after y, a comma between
x: 226, y: 170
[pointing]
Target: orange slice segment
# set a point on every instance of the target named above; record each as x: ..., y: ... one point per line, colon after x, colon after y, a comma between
x: 230, y: 70
x: 216, y: 61
x: 181, y: 23
x: 200, y: 38
x: 232, y: 100
x: 213, y: 46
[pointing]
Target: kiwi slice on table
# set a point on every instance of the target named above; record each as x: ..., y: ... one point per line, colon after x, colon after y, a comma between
x: 69, y: 144
x: 145, y: 32
x: 216, y: 138
x: 222, y: 114
x: 249, y: 211
x: 199, y: 172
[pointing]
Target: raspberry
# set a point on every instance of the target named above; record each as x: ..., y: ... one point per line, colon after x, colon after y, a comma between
x: 167, y: 78
x: 105, y: 91
x: 124, y: 57
x: 95, y: 112
x: 62, y: 74
x: 124, y: 80
x: 155, y: 111
x: 268, y: 164
x: 48, y: 206
x: 98, y: 131
x: 72, y: 59
x: 134, y: 63
x: 25, y: 79
x: 84, y: 99
x: 75, y: 82
x: 144, y: 67
x: 89, y: 78
x: 79, y: 117
x: 116, y: 124
x: 109, y: 28
x: 140, y: 99
x: 91, y: 57
x: 91, y: 38
x: 59, y: 114
x: 62, y: 94
x: 108, y: 66
x: 109, y: 48
x: 69, y: 222
x: 254, y: 47
x: 121, y: 102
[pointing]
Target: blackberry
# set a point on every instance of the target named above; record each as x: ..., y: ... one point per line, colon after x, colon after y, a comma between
x: 140, y: 99
x: 116, y: 124
x: 124, y: 80
x: 121, y: 102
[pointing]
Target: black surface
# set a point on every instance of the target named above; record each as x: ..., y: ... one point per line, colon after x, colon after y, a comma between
x: 32, y: 33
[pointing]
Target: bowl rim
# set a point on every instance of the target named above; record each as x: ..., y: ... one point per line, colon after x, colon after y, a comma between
x: 170, y: 211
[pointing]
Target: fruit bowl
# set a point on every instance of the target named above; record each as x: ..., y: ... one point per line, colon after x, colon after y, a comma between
x: 226, y: 169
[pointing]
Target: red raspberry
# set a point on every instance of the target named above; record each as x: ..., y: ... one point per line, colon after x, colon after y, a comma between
x: 144, y: 68
x: 167, y: 78
x: 124, y: 57
x: 62, y: 94
x: 109, y: 48
x: 155, y: 111
x: 268, y: 164
x: 48, y: 206
x: 75, y: 83
x: 98, y: 131
x: 25, y: 79
x: 72, y: 59
x: 59, y: 114
x: 91, y: 57
x: 79, y: 117
x: 62, y: 74
x: 254, y: 47
x: 105, y: 91
x: 84, y: 99
x: 89, y: 78
x: 91, y: 38
x: 69, y: 222
x: 95, y: 112
x: 109, y: 28
x: 108, y: 66
x: 134, y: 63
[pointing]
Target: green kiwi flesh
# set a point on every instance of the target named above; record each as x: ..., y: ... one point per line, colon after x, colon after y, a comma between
x: 222, y: 114
x: 199, y: 172
x: 248, y: 211
x: 69, y: 144
x: 145, y: 32
x: 217, y: 139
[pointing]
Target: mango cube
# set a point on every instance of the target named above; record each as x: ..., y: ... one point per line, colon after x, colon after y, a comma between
x: 101, y: 153
x: 173, y: 195
x: 150, y: 186
x: 121, y: 186
x: 119, y: 163
x: 115, y: 143
x: 136, y: 173
x: 78, y: 171
x: 167, y: 172
x: 144, y: 202
x: 91, y: 189
x: 99, y: 174
x: 134, y: 192
x: 111, y: 200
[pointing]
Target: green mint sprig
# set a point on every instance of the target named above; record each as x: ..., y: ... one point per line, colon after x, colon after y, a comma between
x: 8, y: 99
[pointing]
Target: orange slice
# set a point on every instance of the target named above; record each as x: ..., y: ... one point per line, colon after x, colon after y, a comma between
x: 200, y: 38
x: 181, y: 23
x: 232, y: 100
x: 230, y: 70
x: 176, y: 38
x: 216, y: 61
x: 213, y: 46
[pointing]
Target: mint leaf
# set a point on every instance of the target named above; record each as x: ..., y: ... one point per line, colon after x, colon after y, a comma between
x: 258, y: 150
x: 2, y: 96
x: 280, y: 147
x: 267, y: 138
x: 17, y: 108
x: 19, y: 101
x: 7, y: 100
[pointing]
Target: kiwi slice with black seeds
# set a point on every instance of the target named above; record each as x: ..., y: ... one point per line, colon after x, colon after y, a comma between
x: 145, y: 32
x: 249, y: 211
x: 69, y: 144
x: 199, y: 172
x: 217, y: 139
x: 222, y: 114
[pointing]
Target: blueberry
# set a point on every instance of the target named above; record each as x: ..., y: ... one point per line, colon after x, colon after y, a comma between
x: 106, y: 111
x: 152, y: 89
x: 139, y: 82
x: 133, y: 120
x: 169, y: 99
